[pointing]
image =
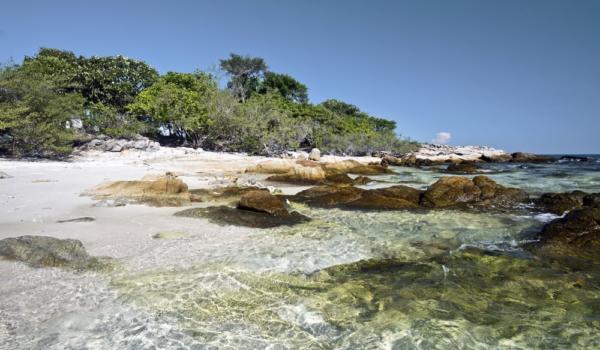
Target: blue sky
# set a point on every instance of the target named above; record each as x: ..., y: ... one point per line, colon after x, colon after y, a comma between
x: 518, y: 75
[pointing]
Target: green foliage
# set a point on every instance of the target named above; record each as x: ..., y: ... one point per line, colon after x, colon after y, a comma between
x: 286, y: 85
x: 261, y: 112
x: 178, y: 103
x: 244, y: 72
x: 113, y: 81
x: 34, y: 120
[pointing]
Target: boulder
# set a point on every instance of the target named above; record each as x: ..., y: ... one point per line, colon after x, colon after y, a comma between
x: 395, y: 197
x: 580, y: 228
x: 521, y: 157
x: 107, y: 144
x: 462, y: 168
x: 222, y: 194
x: 328, y: 196
x: 4, y: 175
x: 42, y: 251
x: 559, y: 203
x: 592, y: 200
x: 449, y: 191
x: 354, y: 167
x: 264, y: 202
x: 315, y: 154
x: 480, y: 191
x: 163, y: 191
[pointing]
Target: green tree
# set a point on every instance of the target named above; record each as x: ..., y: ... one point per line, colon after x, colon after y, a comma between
x: 113, y: 81
x: 245, y: 73
x: 290, y: 88
x: 179, y: 104
x: 36, y: 114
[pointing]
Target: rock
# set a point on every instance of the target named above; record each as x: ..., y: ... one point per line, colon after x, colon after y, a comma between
x: 580, y: 228
x: 42, y: 251
x: 361, y: 180
x: 388, y: 159
x: 223, y: 194
x: 170, y: 235
x: 449, y: 191
x: 81, y: 219
x: 559, y: 203
x: 592, y: 200
x: 223, y: 215
x: 480, y: 191
x: 4, y: 175
x: 564, y: 159
x: 395, y: 197
x: 497, y: 158
x: 462, y: 168
x: 264, y: 202
x: 315, y: 154
x: 311, y: 172
x: 327, y: 196
x: 521, y: 157
x: 164, y: 191
x: 119, y: 145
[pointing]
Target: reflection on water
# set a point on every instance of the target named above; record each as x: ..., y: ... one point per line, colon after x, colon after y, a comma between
x: 438, y: 279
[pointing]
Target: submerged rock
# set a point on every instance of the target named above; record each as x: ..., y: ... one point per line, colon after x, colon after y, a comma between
x: 559, y: 203
x: 42, y: 251
x: 224, y: 215
x: 222, y: 194
x: 163, y: 191
x: 395, y: 197
x: 81, y: 219
x: 328, y: 196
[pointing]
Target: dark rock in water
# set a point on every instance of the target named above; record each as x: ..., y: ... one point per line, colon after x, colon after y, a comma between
x: 361, y: 180
x: 81, y: 219
x: 264, y: 202
x: 480, y: 191
x: 224, y: 215
x: 592, y: 200
x: 328, y: 196
x: 501, y: 158
x: 42, y: 251
x: 520, y: 157
x: 227, y: 193
x: 559, y: 203
x: 579, y: 229
x: 395, y: 197
x: 575, y: 159
x: 4, y: 175
x: 462, y: 168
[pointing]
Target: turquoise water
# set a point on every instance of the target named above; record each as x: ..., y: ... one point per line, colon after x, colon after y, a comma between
x: 438, y: 279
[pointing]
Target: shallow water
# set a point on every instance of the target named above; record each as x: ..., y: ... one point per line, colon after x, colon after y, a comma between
x: 438, y: 279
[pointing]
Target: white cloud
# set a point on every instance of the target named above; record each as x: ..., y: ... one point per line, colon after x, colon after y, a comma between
x: 442, y: 138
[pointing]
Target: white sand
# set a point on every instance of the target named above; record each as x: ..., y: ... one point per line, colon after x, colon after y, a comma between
x: 40, y: 193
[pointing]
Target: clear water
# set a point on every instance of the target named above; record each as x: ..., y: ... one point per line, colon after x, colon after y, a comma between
x: 437, y: 279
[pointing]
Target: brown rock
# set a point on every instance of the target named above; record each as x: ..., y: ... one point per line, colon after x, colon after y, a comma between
x: 559, y: 203
x: 580, y: 228
x: 262, y: 201
x: 449, y: 191
x: 395, y: 197
x: 521, y: 157
x: 328, y: 196
x: 163, y: 191
x: 462, y: 168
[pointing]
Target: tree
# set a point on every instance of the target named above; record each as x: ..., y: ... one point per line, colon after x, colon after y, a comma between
x: 290, y: 88
x: 244, y: 72
x: 179, y: 104
x: 113, y: 81
x: 35, y: 118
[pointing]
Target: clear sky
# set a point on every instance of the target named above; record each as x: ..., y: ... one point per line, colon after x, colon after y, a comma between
x: 518, y: 75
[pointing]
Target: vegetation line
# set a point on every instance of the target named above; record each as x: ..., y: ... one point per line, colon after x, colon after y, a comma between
x: 55, y: 100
